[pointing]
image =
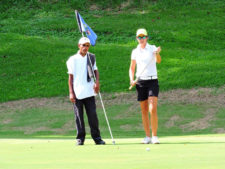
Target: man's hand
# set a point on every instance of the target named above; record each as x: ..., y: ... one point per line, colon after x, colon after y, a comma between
x: 96, y: 87
x: 72, y: 98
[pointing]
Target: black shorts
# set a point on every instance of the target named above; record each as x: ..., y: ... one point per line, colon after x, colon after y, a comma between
x: 147, y: 88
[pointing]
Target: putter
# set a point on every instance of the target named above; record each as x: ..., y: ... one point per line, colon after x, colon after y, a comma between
x: 136, y: 80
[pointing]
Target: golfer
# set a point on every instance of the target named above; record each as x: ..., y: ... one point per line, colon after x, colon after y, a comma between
x: 145, y: 56
x: 83, y: 89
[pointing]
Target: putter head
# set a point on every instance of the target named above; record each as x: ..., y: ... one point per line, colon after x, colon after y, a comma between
x: 113, y: 142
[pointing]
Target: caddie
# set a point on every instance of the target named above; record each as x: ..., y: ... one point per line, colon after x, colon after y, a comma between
x: 83, y: 89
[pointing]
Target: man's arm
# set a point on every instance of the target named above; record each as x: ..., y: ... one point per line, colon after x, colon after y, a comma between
x: 97, y: 85
x: 71, y: 91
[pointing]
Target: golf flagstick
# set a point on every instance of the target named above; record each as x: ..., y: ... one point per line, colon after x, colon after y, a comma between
x: 80, y: 26
x: 103, y: 107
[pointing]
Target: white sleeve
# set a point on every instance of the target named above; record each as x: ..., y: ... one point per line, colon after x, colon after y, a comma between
x: 68, y: 64
x: 133, y: 55
x: 154, y: 48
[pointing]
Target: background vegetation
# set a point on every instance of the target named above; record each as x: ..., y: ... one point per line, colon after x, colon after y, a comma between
x: 37, y: 37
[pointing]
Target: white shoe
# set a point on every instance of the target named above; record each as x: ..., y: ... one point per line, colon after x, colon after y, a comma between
x: 155, y: 140
x: 146, y: 140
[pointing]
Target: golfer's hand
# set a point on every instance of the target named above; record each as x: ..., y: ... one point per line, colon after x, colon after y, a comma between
x: 72, y: 98
x: 132, y: 84
x: 96, y: 87
x: 158, y: 50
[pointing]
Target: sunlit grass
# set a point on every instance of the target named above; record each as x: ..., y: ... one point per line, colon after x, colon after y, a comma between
x: 37, y: 40
x: 206, y: 151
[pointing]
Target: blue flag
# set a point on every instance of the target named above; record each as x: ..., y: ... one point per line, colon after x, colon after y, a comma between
x: 83, y: 27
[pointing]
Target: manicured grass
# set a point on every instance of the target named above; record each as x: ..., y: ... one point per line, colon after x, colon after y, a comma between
x: 37, y: 38
x: 205, y: 151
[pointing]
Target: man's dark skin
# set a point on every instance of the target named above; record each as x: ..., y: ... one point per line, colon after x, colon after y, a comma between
x: 83, y: 51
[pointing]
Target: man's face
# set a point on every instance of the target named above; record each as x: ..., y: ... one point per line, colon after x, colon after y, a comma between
x: 84, y: 48
x: 142, y: 39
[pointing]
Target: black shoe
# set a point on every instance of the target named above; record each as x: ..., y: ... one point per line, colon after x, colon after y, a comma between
x: 99, y: 142
x: 80, y: 142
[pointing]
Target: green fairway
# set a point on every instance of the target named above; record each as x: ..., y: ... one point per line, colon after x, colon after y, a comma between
x: 205, y: 151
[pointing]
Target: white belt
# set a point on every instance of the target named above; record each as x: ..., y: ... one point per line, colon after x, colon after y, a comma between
x: 149, y: 78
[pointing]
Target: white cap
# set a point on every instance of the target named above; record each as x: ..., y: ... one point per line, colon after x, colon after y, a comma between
x: 142, y: 31
x: 84, y: 40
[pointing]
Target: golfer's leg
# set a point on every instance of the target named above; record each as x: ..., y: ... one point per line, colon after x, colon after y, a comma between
x: 90, y: 107
x: 153, y: 111
x: 145, y: 117
x: 79, y: 118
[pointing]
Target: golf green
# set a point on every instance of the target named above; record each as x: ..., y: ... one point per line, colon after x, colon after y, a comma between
x: 197, y: 151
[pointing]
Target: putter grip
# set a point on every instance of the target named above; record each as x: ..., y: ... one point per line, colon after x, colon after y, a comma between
x: 130, y: 87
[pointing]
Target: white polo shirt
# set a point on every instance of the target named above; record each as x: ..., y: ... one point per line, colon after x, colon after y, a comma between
x: 145, y: 57
x: 77, y: 66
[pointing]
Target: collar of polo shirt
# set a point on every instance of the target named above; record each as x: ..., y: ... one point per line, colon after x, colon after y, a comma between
x: 146, y: 46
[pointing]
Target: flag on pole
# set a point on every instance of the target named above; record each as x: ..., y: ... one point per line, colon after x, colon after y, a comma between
x: 83, y: 27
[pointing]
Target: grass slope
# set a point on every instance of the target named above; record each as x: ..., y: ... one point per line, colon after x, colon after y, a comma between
x: 37, y: 37
x: 46, y: 122
x: 191, y: 112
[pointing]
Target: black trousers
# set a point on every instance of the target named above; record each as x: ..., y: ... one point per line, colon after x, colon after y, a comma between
x: 90, y: 107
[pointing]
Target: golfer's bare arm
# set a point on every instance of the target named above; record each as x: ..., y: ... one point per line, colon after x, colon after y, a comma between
x: 157, y: 55
x: 132, y: 70
x: 71, y: 91
x: 158, y: 58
